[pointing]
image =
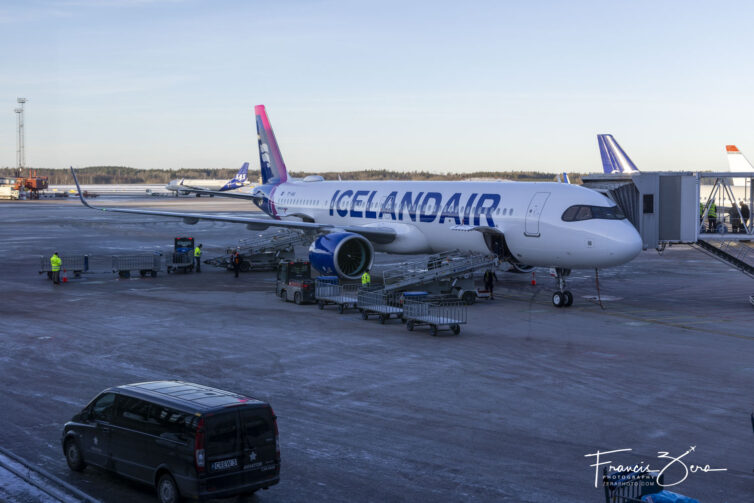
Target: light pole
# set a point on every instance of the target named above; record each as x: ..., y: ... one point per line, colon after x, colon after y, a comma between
x: 20, y: 152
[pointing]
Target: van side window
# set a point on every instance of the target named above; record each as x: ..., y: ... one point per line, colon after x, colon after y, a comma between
x: 132, y: 413
x: 172, y: 424
x: 103, y: 408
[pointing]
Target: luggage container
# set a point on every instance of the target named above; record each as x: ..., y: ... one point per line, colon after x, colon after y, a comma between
x: 329, y: 291
x: 76, y: 263
x: 145, y: 264
x: 377, y: 301
x: 449, y: 313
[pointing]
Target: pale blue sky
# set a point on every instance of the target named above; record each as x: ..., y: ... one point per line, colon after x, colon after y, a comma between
x: 439, y: 86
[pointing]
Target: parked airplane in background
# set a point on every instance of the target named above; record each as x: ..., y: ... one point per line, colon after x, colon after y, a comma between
x: 738, y: 163
x: 184, y: 186
x: 614, y: 159
x: 555, y: 225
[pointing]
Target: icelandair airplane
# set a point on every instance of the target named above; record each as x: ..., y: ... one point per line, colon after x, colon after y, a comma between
x: 528, y: 224
x: 185, y: 187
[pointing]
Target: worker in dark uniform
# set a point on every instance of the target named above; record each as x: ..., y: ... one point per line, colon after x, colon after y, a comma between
x: 198, y: 258
x: 744, y: 215
x: 489, y: 282
x: 55, y: 266
x: 236, y: 261
x: 735, y: 218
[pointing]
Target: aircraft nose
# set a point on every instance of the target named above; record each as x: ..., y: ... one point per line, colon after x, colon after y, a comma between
x: 627, y: 244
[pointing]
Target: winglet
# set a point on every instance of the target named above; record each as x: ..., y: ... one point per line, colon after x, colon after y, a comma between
x: 81, y: 193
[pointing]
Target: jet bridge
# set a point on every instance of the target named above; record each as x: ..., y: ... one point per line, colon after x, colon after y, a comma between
x: 674, y: 208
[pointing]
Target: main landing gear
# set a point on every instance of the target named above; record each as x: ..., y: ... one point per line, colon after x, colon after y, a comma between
x: 562, y: 298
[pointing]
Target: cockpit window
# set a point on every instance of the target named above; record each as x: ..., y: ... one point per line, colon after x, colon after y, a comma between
x: 583, y: 212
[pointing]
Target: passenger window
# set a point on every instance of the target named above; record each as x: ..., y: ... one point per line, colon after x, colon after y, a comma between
x: 172, y: 424
x: 132, y: 413
x: 102, y: 410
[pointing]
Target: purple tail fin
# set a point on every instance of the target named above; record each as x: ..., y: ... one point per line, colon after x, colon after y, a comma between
x: 270, y: 158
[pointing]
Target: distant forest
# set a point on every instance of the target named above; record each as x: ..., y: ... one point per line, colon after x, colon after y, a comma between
x: 122, y: 174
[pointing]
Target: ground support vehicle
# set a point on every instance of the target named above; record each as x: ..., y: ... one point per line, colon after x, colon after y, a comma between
x: 629, y: 487
x: 377, y: 301
x: 447, y: 273
x: 77, y: 263
x: 179, y: 262
x: 145, y: 264
x: 263, y: 252
x: 183, y: 439
x: 329, y: 291
x: 436, y: 314
x: 182, y: 258
x: 294, y: 281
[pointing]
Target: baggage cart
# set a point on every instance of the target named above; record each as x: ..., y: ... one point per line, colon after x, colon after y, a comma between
x: 179, y: 261
x: 328, y: 290
x: 76, y: 263
x: 628, y: 486
x: 436, y: 314
x: 377, y: 301
x: 145, y: 264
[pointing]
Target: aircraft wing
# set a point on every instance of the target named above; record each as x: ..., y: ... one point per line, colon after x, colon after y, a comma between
x: 376, y: 234
x: 237, y: 195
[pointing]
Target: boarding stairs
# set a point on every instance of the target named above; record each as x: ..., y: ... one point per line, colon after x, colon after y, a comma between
x: 732, y: 252
x: 445, y: 266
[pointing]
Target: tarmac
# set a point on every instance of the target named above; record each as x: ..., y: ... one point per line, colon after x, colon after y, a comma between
x: 507, y: 411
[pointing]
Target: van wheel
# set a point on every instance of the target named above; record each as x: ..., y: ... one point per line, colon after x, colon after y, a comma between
x: 283, y: 296
x: 297, y: 298
x: 73, y: 455
x: 167, y: 491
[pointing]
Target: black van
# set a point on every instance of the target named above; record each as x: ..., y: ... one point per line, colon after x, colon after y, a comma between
x: 185, y: 439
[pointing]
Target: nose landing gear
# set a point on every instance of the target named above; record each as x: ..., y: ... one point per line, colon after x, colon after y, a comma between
x: 562, y: 298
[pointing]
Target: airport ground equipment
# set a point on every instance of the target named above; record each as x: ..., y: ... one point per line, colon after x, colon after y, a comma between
x: 294, y: 281
x: 329, y: 291
x: 630, y: 487
x: 77, y: 263
x: 378, y: 301
x: 447, y: 273
x: 735, y: 253
x: 182, y: 258
x: 451, y: 314
x: 145, y: 264
x: 263, y: 252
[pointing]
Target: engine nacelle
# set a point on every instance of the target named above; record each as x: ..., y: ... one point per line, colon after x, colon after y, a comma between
x: 344, y: 254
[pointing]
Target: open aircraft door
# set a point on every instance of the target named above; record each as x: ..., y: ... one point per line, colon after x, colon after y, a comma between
x: 533, y: 213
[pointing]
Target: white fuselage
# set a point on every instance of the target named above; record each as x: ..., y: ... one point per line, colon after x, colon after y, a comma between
x: 438, y: 216
x: 209, y: 184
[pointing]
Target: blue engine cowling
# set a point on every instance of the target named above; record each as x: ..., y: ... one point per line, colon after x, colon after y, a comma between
x: 343, y: 253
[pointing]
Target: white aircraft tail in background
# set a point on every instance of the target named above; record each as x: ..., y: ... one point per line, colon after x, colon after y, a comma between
x: 738, y: 163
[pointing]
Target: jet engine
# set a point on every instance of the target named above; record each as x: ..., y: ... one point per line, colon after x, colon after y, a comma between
x: 344, y: 254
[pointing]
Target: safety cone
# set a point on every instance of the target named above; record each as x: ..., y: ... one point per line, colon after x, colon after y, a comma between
x: 65, y: 276
x: 533, y: 279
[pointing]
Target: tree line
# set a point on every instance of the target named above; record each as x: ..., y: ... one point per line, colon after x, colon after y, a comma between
x: 124, y: 174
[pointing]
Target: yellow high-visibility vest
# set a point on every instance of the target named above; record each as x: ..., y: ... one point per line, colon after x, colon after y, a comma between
x: 712, y: 213
x: 197, y: 252
x: 55, y: 263
x: 366, y: 278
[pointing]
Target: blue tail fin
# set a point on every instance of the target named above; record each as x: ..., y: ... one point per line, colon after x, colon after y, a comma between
x: 270, y: 159
x: 614, y: 159
x: 239, y: 180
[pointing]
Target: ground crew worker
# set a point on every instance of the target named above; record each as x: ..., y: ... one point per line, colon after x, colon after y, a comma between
x: 198, y: 258
x: 744, y: 215
x: 735, y: 218
x: 236, y: 261
x: 55, y: 265
x: 712, y: 217
x: 366, y: 279
x: 489, y: 282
